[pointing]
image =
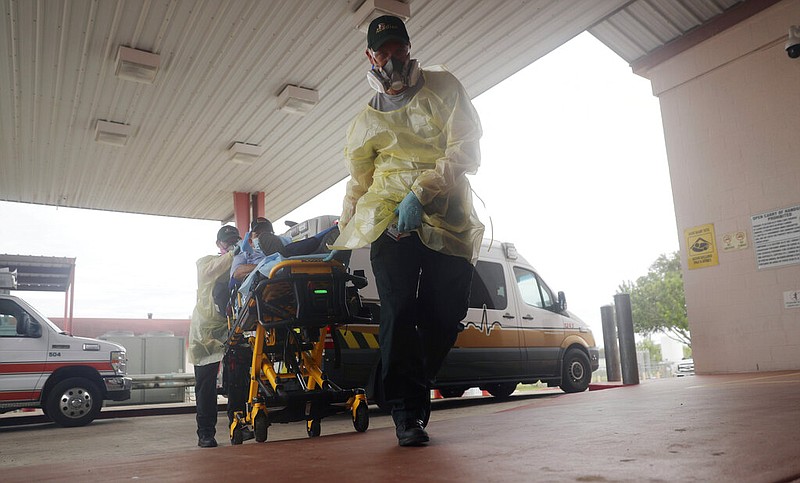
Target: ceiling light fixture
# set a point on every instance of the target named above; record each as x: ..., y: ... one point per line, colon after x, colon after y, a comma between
x: 297, y: 100
x: 112, y: 133
x: 372, y: 9
x: 244, y: 153
x: 137, y: 65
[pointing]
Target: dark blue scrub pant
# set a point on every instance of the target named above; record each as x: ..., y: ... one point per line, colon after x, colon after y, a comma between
x: 424, y: 296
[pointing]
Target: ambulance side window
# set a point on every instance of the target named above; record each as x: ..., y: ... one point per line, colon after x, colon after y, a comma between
x: 9, y: 313
x: 488, y: 287
x: 532, y: 289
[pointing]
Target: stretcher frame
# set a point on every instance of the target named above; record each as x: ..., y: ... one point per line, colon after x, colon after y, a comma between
x: 285, y: 318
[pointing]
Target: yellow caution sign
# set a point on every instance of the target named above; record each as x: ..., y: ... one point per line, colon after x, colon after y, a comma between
x: 701, y: 246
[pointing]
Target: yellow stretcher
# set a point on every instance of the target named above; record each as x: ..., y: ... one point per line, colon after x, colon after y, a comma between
x: 285, y: 319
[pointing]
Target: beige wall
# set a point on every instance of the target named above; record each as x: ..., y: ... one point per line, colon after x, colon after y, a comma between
x: 731, y: 112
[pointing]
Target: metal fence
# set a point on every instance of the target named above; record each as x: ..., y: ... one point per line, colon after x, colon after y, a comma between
x: 648, y: 369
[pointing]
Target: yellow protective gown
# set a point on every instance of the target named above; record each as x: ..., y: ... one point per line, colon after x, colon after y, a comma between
x: 209, y: 329
x: 427, y: 146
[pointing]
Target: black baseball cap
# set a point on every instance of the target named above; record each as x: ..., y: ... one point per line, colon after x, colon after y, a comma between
x: 258, y: 220
x: 385, y: 28
x: 228, y: 233
x: 261, y: 225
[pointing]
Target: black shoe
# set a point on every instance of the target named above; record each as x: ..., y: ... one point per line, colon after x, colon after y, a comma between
x: 247, y: 434
x: 207, y: 442
x: 410, y: 433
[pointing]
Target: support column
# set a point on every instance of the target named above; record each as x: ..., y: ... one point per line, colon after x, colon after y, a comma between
x: 627, y: 342
x: 69, y: 300
x: 241, y: 212
x: 610, y: 346
x: 71, y: 296
x: 257, y: 204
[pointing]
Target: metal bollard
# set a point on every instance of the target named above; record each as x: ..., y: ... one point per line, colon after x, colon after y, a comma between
x: 610, y: 343
x: 627, y: 343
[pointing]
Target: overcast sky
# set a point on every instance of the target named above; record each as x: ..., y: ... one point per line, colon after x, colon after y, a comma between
x: 574, y: 173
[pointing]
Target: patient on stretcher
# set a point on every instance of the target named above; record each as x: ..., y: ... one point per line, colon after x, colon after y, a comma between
x: 276, y: 252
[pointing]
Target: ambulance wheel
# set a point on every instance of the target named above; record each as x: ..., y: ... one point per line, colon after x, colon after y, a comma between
x: 260, y: 427
x: 502, y: 390
x: 73, y: 402
x: 361, y: 419
x: 237, y: 437
x: 450, y: 392
x: 576, y: 371
x: 314, y: 428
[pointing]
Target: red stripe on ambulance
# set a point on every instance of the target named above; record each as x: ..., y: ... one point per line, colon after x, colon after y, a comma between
x: 33, y: 367
x: 20, y: 395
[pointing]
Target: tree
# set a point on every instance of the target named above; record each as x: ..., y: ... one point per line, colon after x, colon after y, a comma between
x: 651, y: 347
x: 658, y: 302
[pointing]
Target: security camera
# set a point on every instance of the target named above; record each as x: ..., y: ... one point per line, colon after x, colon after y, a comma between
x: 793, y: 44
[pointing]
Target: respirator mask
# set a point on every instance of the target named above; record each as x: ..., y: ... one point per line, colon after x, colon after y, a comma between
x: 395, y: 75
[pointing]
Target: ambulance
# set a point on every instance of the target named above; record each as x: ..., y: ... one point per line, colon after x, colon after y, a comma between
x: 41, y: 366
x: 517, y: 331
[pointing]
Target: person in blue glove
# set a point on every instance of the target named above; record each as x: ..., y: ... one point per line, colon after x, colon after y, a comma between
x: 208, y: 332
x: 408, y: 153
x: 251, y: 254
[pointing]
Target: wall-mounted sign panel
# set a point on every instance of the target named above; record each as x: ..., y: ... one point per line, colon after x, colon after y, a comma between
x: 701, y: 246
x: 734, y: 241
x: 791, y: 299
x: 776, y: 237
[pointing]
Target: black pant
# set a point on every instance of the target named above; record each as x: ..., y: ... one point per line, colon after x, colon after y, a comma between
x: 236, y: 377
x: 424, y: 295
x: 205, y: 392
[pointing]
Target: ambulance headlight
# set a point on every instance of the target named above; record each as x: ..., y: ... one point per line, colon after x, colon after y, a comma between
x: 119, y: 362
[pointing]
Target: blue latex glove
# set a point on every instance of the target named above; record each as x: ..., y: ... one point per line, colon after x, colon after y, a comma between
x: 409, y: 213
x: 330, y: 256
x: 244, y: 245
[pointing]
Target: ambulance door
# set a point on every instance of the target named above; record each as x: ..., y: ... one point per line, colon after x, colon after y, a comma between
x: 542, y: 327
x: 488, y: 347
x: 22, y: 356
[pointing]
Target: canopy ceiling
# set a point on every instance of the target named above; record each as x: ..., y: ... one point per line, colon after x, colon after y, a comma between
x: 222, y: 66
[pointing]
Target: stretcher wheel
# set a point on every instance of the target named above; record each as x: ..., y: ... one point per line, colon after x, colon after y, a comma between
x: 314, y: 428
x: 260, y: 426
x: 361, y: 418
x: 237, y: 437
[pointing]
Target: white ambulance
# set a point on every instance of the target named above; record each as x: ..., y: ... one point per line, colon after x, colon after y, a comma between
x: 517, y: 330
x: 41, y: 366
